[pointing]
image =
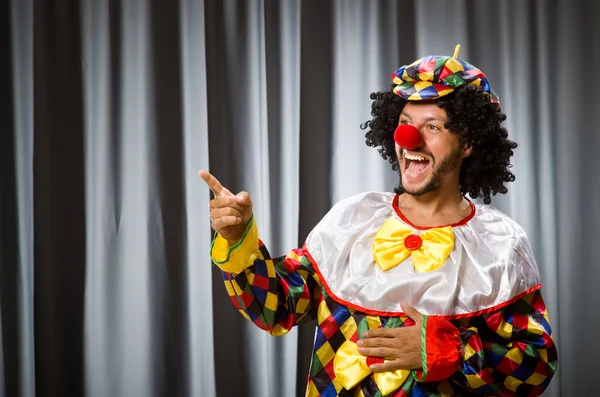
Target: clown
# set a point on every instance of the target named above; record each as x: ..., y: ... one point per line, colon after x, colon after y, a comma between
x: 417, y: 292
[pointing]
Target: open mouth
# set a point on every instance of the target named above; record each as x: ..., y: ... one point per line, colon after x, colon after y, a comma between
x: 415, y: 164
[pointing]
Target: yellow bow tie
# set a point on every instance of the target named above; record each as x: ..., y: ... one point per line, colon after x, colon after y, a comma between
x: 350, y: 368
x: 395, y: 241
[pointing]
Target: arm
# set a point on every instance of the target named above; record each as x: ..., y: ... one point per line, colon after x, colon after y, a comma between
x: 273, y: 293
x: 509, y: 352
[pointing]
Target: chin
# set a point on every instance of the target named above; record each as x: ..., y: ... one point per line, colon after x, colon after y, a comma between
x: 411, y: 185
x: 415, y: 192
x: 419, y: 189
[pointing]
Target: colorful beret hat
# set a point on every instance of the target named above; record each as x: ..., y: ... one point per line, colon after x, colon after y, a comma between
x: 434, y: 76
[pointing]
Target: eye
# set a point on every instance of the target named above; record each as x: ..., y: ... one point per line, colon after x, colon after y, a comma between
x: 403, y: 121
x: 433, y: 127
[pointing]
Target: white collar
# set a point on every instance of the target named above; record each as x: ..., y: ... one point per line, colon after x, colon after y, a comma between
x: 491, y: 265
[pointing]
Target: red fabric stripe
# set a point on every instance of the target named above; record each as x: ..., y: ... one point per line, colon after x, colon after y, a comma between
x: 261, y: 282
x: 443, y: 349
x: 520, y: 321
x: 427, y: 66
x: 328, y: 326
x: 538, y: 304
x: 445, y: 72
x: 542, y: 368
x: 494, y: 321
x: 507, y: 366
x: 291, y: 264
x: 521, y: 346
x: 329, y: 369
x: 247, y: 298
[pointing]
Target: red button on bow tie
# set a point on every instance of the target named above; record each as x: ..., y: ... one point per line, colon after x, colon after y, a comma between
x: 413, y: 242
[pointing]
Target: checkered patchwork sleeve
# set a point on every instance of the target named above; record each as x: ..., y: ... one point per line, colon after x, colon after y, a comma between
x: 273, y: 293
x: 509, y: 352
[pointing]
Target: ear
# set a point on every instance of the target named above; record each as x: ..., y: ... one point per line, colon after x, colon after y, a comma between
x: 466, y: 151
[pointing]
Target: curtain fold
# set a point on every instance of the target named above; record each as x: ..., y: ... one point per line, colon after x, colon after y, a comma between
x: 109, y: 108
x: 17, y: 260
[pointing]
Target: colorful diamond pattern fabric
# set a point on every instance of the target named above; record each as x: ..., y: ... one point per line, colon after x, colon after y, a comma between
x: 507, y: 352
x: 435, y: 76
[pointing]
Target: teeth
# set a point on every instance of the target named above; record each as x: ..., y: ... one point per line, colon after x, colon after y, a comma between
x: 413, y: 157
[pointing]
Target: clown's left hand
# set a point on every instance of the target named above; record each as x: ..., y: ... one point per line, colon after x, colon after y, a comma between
x: 401, y: 346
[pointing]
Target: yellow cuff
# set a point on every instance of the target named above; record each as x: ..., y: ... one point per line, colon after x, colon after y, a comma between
x: 238, y: 257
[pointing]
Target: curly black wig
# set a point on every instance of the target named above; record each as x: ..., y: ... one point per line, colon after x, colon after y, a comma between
x: 470, y: 114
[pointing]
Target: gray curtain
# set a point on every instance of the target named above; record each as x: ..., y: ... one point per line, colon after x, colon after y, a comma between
x: 109, y: 108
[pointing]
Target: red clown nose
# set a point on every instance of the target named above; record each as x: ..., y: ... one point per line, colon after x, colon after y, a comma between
x: 407, y: 136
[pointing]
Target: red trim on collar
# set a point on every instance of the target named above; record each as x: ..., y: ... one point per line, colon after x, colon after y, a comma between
x: 494, y: 308
x: 459, y: 223
x: 399, y: 313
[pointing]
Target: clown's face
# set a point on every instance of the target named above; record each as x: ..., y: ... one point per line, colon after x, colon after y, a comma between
x: 436, y: 162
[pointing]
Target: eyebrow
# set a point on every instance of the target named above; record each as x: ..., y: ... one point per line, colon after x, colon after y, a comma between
x: 431, y: 118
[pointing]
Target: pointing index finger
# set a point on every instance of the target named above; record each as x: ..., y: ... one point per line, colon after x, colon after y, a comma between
x: 214, y: 185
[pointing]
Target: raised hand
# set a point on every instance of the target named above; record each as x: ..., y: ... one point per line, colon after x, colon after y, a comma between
x: 229, y: 213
